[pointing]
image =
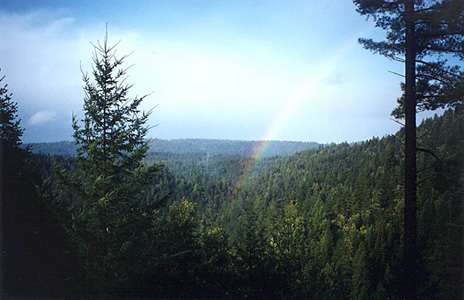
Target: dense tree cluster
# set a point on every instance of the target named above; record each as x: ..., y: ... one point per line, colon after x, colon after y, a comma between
x: 323, y: 224
x: 198, y: 146
x: 36, y: 259
x: 428, y: 37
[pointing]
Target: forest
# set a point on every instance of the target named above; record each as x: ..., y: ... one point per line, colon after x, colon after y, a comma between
x: 179, y: 146
x: 324, y: 223
x: 114, y: 214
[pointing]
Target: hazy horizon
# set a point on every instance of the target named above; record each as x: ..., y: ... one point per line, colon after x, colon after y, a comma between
x: 179, y: 139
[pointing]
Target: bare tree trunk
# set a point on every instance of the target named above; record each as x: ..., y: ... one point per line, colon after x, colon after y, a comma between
x: 410, y: 190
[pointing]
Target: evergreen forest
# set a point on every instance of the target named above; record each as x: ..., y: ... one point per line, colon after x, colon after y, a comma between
x: 324, y: 223
x: 113, y: 214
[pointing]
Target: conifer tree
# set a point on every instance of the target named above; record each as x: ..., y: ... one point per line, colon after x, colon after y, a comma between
x: 11, y: 155
x: 10, y: 130
x: 424, y: 33
x: 111, y: 146
x: 10, y: 158
x: 112, y: 140
x: 29, y: 266
x: 10, y: 140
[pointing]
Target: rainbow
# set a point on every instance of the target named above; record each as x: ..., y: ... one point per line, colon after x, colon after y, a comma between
x: 307, y: 90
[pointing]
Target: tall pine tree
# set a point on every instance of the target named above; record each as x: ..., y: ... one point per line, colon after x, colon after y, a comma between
x: 11, y: 160
x: 111, y: 179
x: 10, y: 130
x: 425, y: 33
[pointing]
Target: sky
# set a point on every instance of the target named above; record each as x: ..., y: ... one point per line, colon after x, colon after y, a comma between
x: 242, y: 69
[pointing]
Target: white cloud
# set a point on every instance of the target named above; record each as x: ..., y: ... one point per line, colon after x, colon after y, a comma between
x: 42, y: 117
x: 336, y: 78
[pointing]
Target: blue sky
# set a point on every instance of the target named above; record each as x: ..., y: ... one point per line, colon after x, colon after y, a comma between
x: 249, y: 70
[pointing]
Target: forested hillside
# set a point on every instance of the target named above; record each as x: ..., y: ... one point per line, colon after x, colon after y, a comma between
x: 204, y: 146
x: 324, y: 223
x: 328, y: 222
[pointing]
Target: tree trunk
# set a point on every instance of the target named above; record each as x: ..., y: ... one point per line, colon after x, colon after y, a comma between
x: 410, y: 190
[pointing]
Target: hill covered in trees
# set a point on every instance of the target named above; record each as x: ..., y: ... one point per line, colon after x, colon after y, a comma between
x: 324, y: 223
x: 205, y: 146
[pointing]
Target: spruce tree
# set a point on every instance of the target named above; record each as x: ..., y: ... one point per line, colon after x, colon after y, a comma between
x: 10, y: 130
x: 111, y: 178
x: 11, y: 154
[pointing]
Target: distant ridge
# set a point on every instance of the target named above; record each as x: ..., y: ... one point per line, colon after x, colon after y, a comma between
x: 179, y: 146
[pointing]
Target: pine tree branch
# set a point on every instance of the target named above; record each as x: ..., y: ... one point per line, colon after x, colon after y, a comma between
x: 401, y: 75
x: 438, y: 68
x: 441, y: 49
x: 429, y: 152
x: 396, y: 121
x: 430, y: 77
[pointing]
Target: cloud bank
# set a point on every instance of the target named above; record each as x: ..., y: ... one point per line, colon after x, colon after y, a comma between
x: 42, y: 117
x: 211, y: 77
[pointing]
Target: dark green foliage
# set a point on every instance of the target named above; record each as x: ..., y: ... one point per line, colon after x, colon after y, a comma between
x: 10, y: 131
x: 111, y: 142
x: 322, y: 224
x: 126, y: 246
x: 439, y: 40
x: 110, y: 223
x: 64, y: 148
x: 11, y: 156
x: 328, y: 222
x: 426, y: 34
x: 36, y: 258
